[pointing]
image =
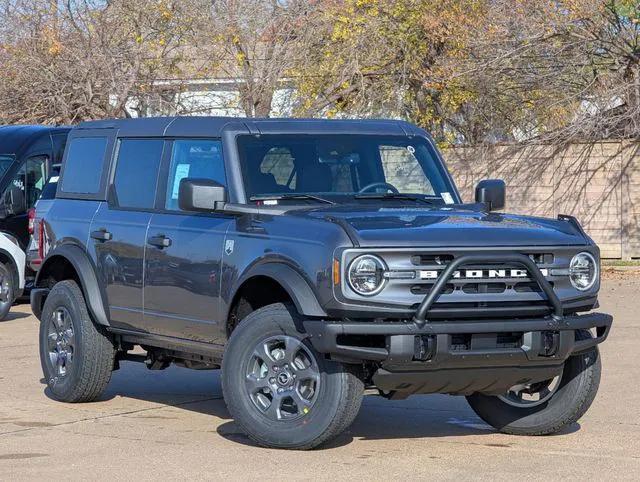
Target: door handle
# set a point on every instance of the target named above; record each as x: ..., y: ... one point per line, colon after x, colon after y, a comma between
x: 160, y: 241
x: 101, y: 235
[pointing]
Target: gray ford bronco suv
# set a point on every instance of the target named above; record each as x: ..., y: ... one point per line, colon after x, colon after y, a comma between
x: 311, y: 260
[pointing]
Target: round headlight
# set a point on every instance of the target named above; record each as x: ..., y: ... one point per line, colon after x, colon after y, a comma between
x: 583, y: 271
x: 366, y: 275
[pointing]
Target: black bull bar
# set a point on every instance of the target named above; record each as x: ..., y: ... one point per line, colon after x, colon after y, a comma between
x: 401, y: 336
x: 421, y: 313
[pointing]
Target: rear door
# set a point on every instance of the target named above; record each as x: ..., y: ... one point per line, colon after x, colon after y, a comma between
x: 81, y: 188
x: 184, y: 250
x: 119, y: 228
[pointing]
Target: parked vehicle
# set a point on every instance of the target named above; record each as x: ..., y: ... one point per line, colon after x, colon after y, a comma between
x: 36, y: 213
x: 29, y: 155
x: 12, y: 262
x: 311, y: 259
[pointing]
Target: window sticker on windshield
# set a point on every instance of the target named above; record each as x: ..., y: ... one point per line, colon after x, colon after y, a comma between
x: 182, y: 171
x: 447, y: 198
x: 411, y: 149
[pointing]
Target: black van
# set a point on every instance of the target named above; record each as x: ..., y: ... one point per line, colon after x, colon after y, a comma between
x: 29, y: 155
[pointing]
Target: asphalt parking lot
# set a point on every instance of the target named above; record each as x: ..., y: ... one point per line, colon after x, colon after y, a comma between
x: 173, y: 424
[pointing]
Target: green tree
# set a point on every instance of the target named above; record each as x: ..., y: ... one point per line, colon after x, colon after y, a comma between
x: 382, y: 57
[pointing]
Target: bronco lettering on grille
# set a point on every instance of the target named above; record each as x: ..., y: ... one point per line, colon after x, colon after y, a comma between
x: 482, y: 273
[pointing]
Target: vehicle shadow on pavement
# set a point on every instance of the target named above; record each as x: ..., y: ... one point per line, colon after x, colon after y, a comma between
x: 193, y: 390
x: 369, y: 426
x: 419, y: 416
x: 15, y: 315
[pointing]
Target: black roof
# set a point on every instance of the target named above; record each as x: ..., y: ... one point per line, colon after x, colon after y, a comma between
x: 17, y: 137
x: 213, y: 126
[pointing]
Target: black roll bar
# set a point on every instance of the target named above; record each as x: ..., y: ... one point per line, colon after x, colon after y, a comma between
x: 420, y: 318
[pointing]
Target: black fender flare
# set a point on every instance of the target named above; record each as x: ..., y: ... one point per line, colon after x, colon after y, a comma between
x: 293, y: 283
x: 90, y: 286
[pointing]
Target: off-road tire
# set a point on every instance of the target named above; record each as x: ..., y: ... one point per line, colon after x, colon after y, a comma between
x: 339, y: 394
x: 93, y: 355
x: 576, y: 391
x: 7, y: 275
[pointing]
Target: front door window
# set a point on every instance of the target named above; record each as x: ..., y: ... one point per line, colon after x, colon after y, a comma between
x: 36, y: 178
x: 194, y: 158
x: 25, y: 188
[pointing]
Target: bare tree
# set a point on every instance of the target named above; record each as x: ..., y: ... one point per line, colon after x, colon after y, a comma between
x: 83, y: 59
x: 470, y: 71
x: 253, y: 44
x: 560, y: 70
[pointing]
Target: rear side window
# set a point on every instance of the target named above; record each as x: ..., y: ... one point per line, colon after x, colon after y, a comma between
x: 49, y: 191
x: 59, y: 142
x: 136, y: 176
x: 84, y: 164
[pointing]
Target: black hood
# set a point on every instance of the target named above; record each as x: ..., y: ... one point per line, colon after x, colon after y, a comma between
x: 456, y: 226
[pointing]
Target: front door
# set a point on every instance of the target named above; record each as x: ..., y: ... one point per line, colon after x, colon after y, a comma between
x: 184, y: 251
x: 119, y: 229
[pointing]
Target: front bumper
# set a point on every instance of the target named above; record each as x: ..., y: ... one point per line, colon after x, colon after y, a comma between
x: 340, y: 338
x: 459, y: 357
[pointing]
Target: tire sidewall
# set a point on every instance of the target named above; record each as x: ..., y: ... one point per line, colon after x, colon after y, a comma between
x: 295, y: 433
x: 5, y: 307
x: 573, y: 397
x: 62, y: 296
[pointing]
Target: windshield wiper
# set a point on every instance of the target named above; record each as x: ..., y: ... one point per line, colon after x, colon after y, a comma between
x: 286, y: 197
x: 393, y: 195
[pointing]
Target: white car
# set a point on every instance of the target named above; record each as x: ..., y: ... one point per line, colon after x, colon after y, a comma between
x: 12, y: 264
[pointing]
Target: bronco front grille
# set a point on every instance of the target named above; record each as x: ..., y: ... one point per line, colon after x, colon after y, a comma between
x: 478, y: 279
x: 485, y: 289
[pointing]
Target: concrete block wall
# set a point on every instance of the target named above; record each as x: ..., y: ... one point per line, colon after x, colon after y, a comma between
x: 598, y: 183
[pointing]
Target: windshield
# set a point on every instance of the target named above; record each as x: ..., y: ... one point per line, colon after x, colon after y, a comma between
x: 347, y: 166
x: 5, y: 163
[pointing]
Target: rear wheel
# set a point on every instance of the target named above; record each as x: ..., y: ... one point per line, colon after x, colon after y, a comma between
x: 279, y: 390
x: 545, y: 407
x: 7, y: 290
x: 76, y: 354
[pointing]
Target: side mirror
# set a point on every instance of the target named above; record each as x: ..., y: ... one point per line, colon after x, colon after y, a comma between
x: 201, y: 195
x: 492, y: 193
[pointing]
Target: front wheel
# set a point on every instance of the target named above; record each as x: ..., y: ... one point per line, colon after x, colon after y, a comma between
x: 279, y: 390
x: 545, y: 407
